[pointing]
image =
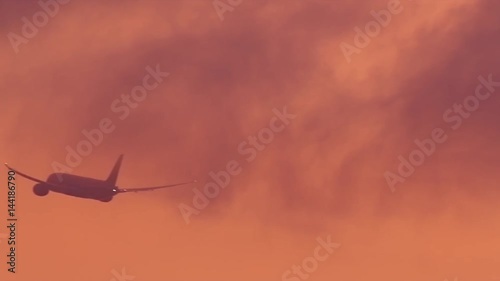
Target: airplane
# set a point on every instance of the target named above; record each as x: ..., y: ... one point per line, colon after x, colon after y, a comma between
x: 88, y: 188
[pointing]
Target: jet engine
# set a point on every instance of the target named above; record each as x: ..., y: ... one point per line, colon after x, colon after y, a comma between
x: 40, y: 190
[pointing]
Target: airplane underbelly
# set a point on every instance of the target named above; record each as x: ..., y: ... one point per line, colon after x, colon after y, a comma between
x: 84, y: 192
x: 80, y: 187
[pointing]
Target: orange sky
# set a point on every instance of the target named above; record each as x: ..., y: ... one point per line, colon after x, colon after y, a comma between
x: 323, y: 175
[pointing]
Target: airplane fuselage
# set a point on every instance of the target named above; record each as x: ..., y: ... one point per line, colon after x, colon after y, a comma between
x: 77, y: 186
x: 83, y: 187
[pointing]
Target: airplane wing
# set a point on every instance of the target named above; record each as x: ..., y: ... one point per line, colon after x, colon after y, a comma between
x: 118, y: 190
x: 31, y: 178
x: 152, y: 188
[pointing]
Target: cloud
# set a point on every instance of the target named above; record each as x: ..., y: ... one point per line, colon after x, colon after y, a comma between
x: 326, y: 169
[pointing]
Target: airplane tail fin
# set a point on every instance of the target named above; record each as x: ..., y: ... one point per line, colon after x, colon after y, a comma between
x: 114, y: 173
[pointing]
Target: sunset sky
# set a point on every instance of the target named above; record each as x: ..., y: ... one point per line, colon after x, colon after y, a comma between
x: 361, y: 101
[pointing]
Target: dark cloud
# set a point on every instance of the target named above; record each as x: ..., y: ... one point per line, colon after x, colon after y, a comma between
x: 323, y: 173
